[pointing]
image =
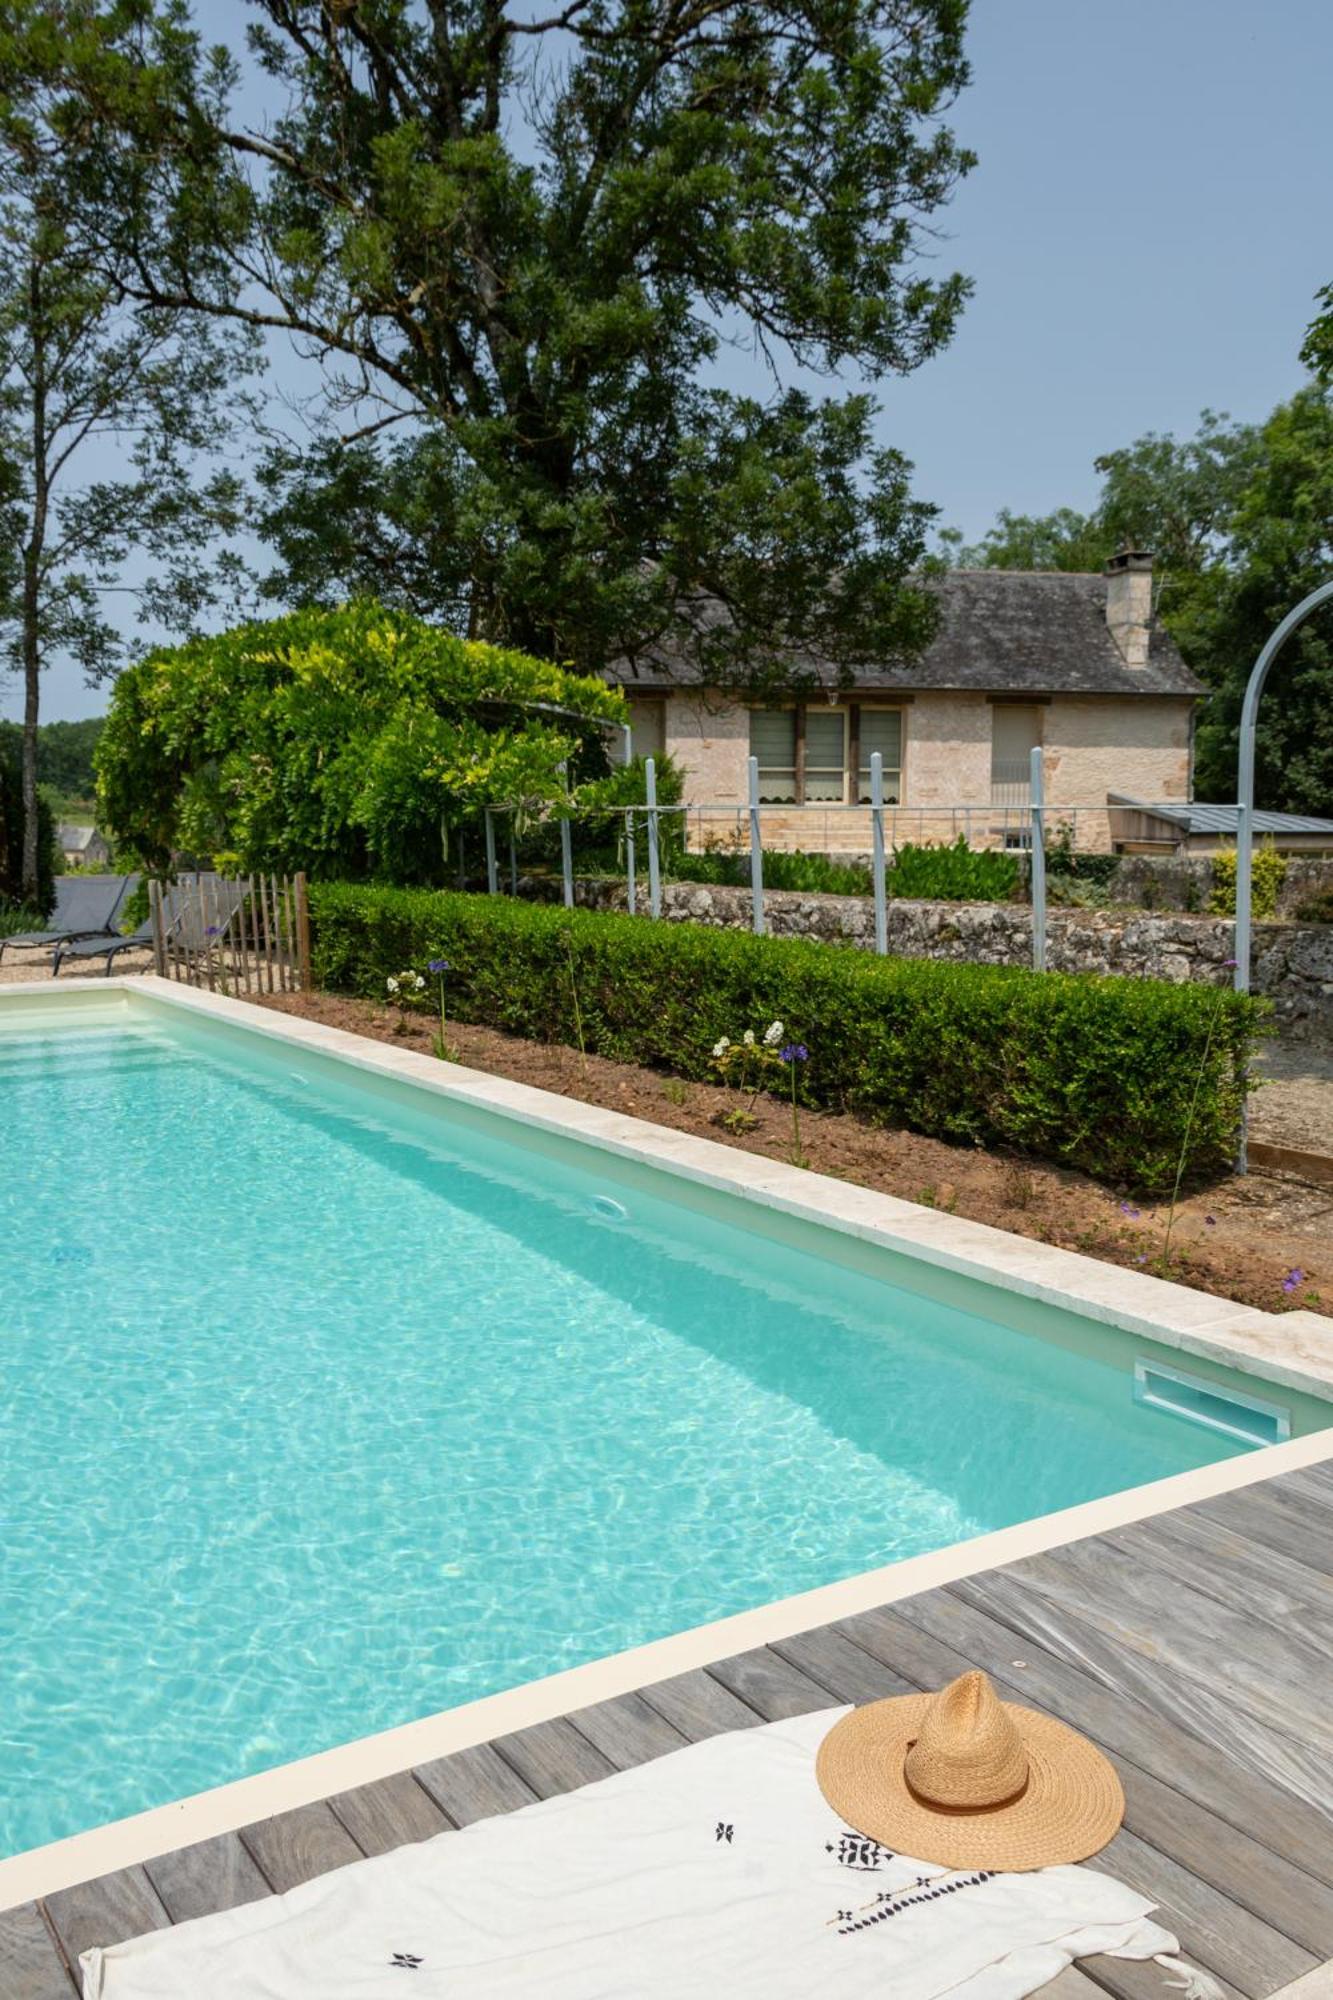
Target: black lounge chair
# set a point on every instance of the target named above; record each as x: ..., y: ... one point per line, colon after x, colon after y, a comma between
x: 86, y: 907
x: 103, y: 947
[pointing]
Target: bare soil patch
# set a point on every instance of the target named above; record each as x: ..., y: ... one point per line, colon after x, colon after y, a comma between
x: 1241, y: 1239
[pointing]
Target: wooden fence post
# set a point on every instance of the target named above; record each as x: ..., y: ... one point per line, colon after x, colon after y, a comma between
x: 303, y: 930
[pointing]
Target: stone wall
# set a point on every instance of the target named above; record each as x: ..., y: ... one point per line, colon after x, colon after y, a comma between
x: 1292, y: 965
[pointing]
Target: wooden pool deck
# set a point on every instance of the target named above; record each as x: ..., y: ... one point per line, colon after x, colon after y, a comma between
x: 1195, y: 1647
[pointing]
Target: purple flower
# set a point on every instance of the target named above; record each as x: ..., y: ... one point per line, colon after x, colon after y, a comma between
x: 1125, y: 1209
x: 1230, y: 961
x: 438, y: 965
x: 1140, y: 1260
x: 1211, y: 1221
x: 1293, y: 1281
x: 214, y: 930
x: 794, y: 1052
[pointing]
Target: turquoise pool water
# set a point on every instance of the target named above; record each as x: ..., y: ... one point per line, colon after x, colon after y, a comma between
x: 314, y: 1420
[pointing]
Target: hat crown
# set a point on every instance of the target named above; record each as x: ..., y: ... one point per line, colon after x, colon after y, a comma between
x: 968, y: 1752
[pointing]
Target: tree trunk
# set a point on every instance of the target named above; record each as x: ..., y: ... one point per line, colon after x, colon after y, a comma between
x: 32, y: 567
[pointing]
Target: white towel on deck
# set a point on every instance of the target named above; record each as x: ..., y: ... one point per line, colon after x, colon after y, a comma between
x: 716, y: 1870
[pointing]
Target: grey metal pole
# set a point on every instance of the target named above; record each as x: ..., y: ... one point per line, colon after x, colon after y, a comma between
x: 1245, y: 804
x: 492, y: 872
x: 513, y: 859
x: 877, y: 838
x: 654, y: 860
x: 567, y: 863
x: 756, y: 854
x: 1038, y: 863
x: 631, y: 888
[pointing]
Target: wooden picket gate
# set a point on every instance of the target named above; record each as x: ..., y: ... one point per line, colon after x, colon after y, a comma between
x: 233, y: 934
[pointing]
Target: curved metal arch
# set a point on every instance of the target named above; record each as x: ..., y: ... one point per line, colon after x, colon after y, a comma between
x: 1245, y: 796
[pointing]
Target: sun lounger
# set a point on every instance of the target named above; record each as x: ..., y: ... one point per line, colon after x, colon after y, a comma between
x: 86, y: 907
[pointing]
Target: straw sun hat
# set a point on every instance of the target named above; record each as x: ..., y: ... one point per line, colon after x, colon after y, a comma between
x: 969, y: 1781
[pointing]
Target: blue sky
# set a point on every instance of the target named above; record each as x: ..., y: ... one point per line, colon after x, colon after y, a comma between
x: 1146, y: 227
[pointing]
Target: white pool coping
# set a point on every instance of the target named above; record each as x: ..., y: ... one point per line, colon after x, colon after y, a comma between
x: 1294, y: 1349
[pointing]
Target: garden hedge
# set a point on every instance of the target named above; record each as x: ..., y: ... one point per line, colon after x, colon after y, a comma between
x: 1096, y: 1073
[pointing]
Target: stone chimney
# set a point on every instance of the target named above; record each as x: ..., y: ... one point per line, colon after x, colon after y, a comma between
x: 1129, y: 603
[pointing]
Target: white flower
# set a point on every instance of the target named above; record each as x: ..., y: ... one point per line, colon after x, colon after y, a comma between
x: 419, y: 982
x: 720, y: 1048
x: 772, y: 1034
x: 391, y: 983
x: 748, y: 1038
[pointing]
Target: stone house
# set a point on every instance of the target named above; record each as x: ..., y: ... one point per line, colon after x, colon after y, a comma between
x: 83, y: 847
x: 1078, y: 665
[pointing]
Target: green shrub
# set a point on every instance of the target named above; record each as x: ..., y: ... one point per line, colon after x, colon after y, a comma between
x: 1268, y: 871
x: 956, y: 874
x: 814, y: 874
x: 1317, y: 909
x: 1093, y: 1073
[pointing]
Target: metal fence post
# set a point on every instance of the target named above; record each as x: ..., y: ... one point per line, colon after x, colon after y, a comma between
x: 1038, y: 851
x: 567, y: 863
x: 654, y: 859
x: 756, y: 854
x: 631, y: 892
x: 877, y: 838
x: 492, y: 872
x: 513, y: 858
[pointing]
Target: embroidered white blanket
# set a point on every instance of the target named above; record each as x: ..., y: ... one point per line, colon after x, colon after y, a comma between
x: 717, y: 1870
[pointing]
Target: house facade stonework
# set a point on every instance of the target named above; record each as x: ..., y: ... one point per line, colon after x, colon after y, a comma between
x: 1076, y: 665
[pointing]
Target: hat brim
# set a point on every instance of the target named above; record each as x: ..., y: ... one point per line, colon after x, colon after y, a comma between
x: 1071, y: 1805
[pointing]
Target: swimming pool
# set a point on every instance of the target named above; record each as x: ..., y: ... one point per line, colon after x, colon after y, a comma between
x: 327, y: 1403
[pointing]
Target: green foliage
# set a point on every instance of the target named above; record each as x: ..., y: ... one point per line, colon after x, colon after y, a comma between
x: 65, y: 756
x: 1268, y: 871
x: 11, y: 842
x: 1092, y: 1073
x: 813, y: 874
x: 1239, y: 519
x: 345, y: 742
x: 525, y: 242
x: 954, y: 874
x: 1317, y: 909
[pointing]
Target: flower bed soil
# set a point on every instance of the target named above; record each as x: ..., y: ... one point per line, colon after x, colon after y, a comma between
x: 1241, y: 1239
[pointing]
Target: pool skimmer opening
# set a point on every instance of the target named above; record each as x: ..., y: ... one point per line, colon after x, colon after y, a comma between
x: 1216, y: 1407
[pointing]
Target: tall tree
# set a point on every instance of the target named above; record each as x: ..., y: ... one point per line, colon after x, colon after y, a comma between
x: 1240, y: 519
x: 522, y: 240
x: 106, y: 406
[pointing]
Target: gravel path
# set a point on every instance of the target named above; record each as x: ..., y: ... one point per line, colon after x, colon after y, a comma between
x: 1295, y: 1105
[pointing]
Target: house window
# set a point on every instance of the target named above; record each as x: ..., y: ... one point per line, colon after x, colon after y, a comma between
x: 1015, y: 734
x: 773, y: 742
x: 647, y: 726
x: 882, y: 729
x: 825, y: 756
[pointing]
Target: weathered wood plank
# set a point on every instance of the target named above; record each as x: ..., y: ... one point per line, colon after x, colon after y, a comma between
x: 473, y: 1784
x: 1208, y: 1710
x: 627, y: 1731
x: 1230, y: 1941
x: 1071, y: 1984
x: 699, y: 1706
x: 105, y: 1912
x: 932, y: 1635
x: 1307, y: 1538
x: 295, y: 1846
x: 389, y: 1813
x: 551, y: 1757
x: 835, y: 1663
x: 1274, y: 1676
x: 1137, y: 1979
x: 216, y: 1874
x: 1226, y: 1565
x: 31, y: 1967
x: 770, y: 1685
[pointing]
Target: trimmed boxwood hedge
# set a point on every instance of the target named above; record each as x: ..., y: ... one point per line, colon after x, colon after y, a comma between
x: 1094, y: 1073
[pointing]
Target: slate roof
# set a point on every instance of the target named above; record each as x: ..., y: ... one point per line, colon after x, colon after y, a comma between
x: 1001, y: 632
x: 77, y: 839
